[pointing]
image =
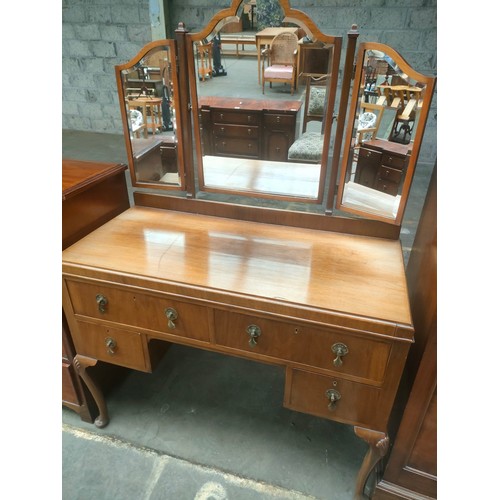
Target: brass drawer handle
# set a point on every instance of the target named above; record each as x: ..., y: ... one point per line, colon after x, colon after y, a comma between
x: 340, y: 350
x: 333, y: 396
x: 254, y: 332
x: 171, y: 315
x: 110, y: 344
x: 102, y: 302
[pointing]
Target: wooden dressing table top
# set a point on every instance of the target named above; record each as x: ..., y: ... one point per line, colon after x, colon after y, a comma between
x: 270, y: 267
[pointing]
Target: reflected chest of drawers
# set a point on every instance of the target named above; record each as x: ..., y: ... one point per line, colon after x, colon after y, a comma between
x: 331, y: 309
x: 382, y: 165
x: 248, y: 128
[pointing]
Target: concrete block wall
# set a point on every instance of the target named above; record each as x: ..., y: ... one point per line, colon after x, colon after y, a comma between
x: 97, y: 35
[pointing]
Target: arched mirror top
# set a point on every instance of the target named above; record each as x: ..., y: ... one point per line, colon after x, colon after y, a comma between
x: 386, y: 123
x: 276, y: 143
x: 148, y: 93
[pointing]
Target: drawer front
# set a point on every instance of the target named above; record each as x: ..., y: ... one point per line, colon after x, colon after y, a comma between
x: 112, y: 345
x: 319, y: 348
x: 369, y: 157
x: 279, y: 121
x: 140, y: 310
x: 386, y: 186
x: 235, y: 117
x: 358, y: 404
x: 248, y: 148
x: 393, y: 160
x: 390, y: 174
x: 239, y: 131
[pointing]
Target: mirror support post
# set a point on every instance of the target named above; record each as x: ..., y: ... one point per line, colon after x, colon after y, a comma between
x: 185, y: 109
x: 352, y: 36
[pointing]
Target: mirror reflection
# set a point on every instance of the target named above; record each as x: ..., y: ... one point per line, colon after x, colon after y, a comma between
x: 264, y: 100
x: 149, y: 88
x: 388, y: 107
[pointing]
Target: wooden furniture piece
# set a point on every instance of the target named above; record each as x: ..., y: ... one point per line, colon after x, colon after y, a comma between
x: 364, y: 132
x: 382, y: 165
x: 238, y: 40
x: 313, y: 59
x: 309, y: 301
x: 92, y: 194
x: 248, y: 128
x: 264, y: 38
x: 281, y: 57
x: 411, y: 471
x: 150, y: 107
x: 204, y: 58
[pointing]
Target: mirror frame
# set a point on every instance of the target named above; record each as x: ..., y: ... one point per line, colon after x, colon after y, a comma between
x: 171, y: 44
x: 417, y: 138
x: 303, y: 21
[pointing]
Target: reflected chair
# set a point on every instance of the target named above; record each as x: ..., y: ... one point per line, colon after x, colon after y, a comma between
x: 369, y: 120
x: 315, y: 100
x: 282, y: 61
x: 204, y: 53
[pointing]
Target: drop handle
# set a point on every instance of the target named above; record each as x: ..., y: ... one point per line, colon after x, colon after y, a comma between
x: 340, y: 350
x: 333, y: 396
x: 171, y: 315
x: 102, y: 302
x: 254, y: 332
x: 110, y: 344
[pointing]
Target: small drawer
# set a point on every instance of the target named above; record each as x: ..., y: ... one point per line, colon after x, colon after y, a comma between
x: 239, y: 131
x: 247, y: 148
x: 386, y: 186
x: 139, y: 310
x: 393, y: 160
x: 390, y: 174
x: 113, y: 345
x: 369, y: 156
x: 310, y: 393
x: 235, y: 117
x: 279, y: 121
x: 328, y: 349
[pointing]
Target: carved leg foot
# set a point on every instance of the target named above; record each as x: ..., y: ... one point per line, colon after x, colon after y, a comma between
x: 81, y: 364
x: 379, y: 444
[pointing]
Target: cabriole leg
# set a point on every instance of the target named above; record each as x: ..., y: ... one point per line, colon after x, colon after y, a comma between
x: 379, y: 444
x: 81, y: 364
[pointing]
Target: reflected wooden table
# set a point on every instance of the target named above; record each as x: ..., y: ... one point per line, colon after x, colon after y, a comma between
x: 149, y: 107
x: 265, y: 37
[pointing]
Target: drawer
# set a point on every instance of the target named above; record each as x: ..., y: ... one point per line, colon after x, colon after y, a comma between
x: 390, y: 174
x: 369, y: 157
x: 239, y: 131
x: 113, y: 345
x: 248, y: 148
x: 360, y: 357
x: 279, y: 121
x: 386, y: 186
x: 235, y: 117
x: 140, y: 310
x: 393, y: 160
x: 358, y: 404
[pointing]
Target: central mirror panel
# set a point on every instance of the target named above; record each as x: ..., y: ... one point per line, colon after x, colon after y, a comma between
x: 276, y: 143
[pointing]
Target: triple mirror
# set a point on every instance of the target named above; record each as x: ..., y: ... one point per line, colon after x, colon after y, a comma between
x: 265, y: 118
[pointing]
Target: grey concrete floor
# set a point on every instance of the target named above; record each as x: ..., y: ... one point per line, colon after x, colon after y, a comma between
x: 204, y: 425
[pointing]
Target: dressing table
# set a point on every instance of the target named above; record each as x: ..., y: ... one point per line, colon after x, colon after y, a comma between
x: 320, y: 293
